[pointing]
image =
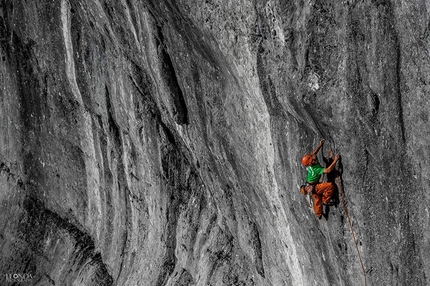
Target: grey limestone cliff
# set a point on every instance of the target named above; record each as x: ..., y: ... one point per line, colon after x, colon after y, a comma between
x: 149, y: 142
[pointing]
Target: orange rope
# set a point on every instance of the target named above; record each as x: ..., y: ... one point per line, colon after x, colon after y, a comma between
x: 339, y: 182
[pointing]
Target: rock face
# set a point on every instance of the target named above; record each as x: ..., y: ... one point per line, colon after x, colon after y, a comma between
x: 159, y: 142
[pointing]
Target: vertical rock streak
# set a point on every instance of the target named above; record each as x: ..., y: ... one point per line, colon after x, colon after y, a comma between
x: 161, y: 141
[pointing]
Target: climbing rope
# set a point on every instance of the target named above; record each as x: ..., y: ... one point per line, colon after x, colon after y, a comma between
x: 340, y: 185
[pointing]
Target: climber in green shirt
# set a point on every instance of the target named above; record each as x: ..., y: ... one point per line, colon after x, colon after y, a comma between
x: 314, y: 173
x: 321, y: 192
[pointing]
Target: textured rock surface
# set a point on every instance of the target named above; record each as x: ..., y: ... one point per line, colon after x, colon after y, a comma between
x: 158, y: 142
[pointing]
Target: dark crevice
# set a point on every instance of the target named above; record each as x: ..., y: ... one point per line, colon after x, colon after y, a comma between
x: 148, y: 105
x: 113, y: 125
x: 165, y: 131
x: 375, y: 103
x: 256, y: 243
x: 184, y: 26
x: 179, y: 108
x: 142, y: 82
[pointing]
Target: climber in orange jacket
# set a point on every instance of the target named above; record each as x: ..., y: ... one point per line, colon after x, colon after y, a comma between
x: 322, y: 192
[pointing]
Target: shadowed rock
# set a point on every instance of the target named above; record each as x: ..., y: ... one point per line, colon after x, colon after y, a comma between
x: 159, y: 142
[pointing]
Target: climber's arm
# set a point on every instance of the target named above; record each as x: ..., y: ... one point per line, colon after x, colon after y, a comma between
x: 318, y: 148
x: 330, y: 168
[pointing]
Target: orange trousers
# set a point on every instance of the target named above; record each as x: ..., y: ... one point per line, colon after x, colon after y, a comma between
x: 322, y: 194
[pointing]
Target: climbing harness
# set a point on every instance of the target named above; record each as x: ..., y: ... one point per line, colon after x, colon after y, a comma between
x: 307, y: 190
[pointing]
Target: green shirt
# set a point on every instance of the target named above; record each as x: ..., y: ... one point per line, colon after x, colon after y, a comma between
x: 314, y: 173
